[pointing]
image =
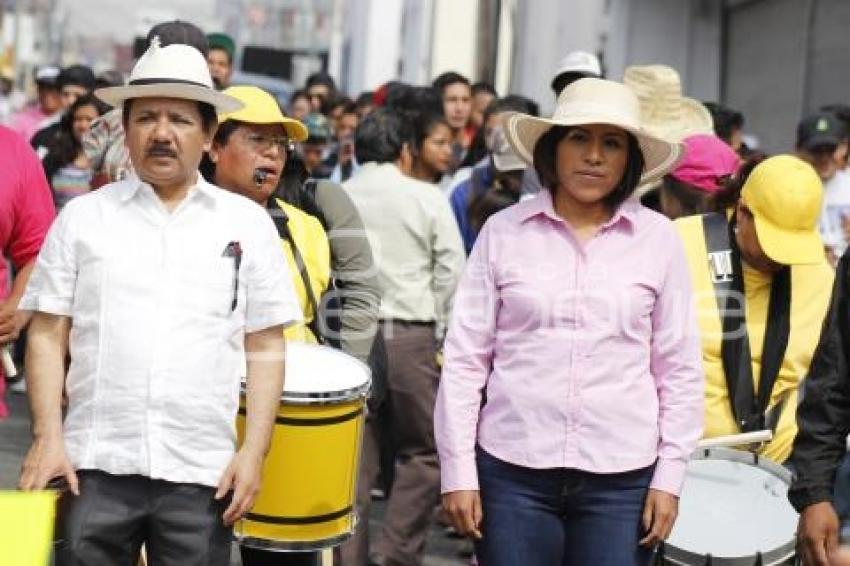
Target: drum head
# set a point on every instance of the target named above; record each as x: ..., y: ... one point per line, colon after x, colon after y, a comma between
x: 321, y: 374
x: 733, y: 505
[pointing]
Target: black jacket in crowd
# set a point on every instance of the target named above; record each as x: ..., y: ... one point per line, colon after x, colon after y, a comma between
x: 823, y: 417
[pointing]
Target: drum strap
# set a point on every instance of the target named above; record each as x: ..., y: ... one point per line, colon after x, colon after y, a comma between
x: 726, y: 272
x: 281, y: 222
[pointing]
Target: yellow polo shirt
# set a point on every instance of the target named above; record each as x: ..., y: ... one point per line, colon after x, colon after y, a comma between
x: 811, y: 287
x: 312, y: 242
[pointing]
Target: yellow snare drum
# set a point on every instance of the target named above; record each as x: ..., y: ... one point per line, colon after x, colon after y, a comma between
x: 306, y: 501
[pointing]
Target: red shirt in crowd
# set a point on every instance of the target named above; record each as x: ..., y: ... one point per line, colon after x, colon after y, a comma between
x: 26, y: 211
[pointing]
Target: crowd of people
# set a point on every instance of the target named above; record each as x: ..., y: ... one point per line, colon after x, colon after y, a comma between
x: 554, y: 310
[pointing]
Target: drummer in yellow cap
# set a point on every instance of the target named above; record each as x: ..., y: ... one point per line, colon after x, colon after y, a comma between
x: 761, y: 284
x: 248, y: 155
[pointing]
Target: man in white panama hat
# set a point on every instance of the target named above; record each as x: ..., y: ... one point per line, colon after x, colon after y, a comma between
x: 166, y: 284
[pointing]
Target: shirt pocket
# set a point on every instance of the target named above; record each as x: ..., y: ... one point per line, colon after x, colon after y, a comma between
x: 207, y: 288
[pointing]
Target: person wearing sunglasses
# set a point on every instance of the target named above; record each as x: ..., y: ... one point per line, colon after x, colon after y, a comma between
x: 253, y: 154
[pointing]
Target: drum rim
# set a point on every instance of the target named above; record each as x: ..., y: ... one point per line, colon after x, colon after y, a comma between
x: 324, y: 397
x: 301, y: 546
x: 732, y: 455
x: 679, y: 557
x: 778, y: 555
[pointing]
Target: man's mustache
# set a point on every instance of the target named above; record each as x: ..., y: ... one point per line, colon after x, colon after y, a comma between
x: 160, y: 150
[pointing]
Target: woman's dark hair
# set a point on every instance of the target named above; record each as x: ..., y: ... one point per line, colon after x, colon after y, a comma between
x: 423, y: 125
x: 332, y: 102
x: 725, y: 120
x: 222, y: 136
x: 414, y: 100
x: 364, y: 99
x: 300, y: 93
x: 207, y: 111
x: 381, y: 136
x: 292, y: 178
x: 64, y: 148
x: 320, y: 78
x: 683, y: 199
x: 544, y: 164
x: 728, y: 196
x: 512, y: 102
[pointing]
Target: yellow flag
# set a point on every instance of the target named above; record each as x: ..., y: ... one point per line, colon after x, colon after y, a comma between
x: 26, y: 527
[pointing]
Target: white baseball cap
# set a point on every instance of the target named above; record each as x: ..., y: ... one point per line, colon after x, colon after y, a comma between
x: 580, y: 62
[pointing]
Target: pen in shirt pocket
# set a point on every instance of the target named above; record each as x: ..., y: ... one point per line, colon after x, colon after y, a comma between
x: 234, y: 249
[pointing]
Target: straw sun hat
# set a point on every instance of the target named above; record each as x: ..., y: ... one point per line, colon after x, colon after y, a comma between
x: 595, y: 101
x: 665, y: 112
x: 173, y: 71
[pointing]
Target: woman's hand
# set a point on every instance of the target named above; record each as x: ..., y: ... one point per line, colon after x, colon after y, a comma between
x: 659, y: 514
x: 464, y: 511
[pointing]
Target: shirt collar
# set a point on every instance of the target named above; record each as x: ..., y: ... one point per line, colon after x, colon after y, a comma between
x: 542, y: 205
x: 133, y: 185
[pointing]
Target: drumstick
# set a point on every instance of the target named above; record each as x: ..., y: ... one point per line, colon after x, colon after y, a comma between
x: 736, y: 439
x: 8, y: 364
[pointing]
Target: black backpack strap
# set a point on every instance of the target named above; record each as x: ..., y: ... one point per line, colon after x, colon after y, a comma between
x: 281, y: 222
x: 725, y: 271
x: 727, y: 277
x: 776, y: 336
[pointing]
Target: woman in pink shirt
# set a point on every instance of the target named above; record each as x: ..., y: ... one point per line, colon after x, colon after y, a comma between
x: 571, y: 395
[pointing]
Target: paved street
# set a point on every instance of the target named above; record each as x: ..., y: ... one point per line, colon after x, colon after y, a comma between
x: 14, y: 439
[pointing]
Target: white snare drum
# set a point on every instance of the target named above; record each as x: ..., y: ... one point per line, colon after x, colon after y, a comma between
x: 734, y: 511
x: 306, y: 501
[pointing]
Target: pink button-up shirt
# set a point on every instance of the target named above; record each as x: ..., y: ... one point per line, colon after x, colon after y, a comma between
x: 587, y: 354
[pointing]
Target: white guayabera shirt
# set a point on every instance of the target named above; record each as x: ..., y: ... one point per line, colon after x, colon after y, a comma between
x: 157, y: 344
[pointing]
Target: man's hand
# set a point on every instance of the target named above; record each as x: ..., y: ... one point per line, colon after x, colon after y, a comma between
x: 659, y: 514
x: 817, y: 534
x: 464, y: 511
x: 243, y: 476
x: 46, y: 460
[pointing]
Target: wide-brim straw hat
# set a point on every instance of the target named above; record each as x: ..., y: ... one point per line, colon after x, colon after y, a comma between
x: 173, y: 71
x: 665, y: 111
x: 595, y: 101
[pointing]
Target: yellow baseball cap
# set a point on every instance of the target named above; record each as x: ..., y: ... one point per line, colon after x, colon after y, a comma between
x: 785, y: 195
x: 261, y: 108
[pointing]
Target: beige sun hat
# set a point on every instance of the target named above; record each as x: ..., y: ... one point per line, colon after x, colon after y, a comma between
x: 665, y: 112
x: 173, y: 71
x: 595, y: 101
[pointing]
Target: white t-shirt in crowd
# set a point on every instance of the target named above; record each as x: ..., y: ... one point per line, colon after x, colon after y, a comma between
x: 836, y: 205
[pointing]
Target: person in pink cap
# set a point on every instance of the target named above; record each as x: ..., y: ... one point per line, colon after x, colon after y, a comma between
x: 691, y: 188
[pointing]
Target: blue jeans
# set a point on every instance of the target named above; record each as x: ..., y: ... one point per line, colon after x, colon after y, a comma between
x: 560, y: 516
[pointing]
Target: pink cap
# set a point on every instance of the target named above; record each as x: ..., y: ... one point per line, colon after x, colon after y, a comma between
x: 708, y: 160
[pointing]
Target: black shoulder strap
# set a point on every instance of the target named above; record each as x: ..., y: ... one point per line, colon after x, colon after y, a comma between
x: 727, y: 277
x: 308, y: 203
x: 281, y: 222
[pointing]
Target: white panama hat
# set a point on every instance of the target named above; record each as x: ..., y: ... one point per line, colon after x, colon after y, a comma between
x: 595, y: 101
x: 173, y: 71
